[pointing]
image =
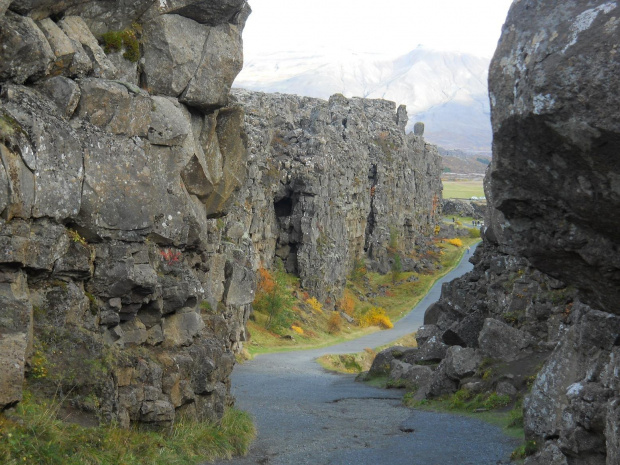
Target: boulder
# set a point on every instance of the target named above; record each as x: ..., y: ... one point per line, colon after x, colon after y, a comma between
x: 115, y: 107
x: 461, y: 362
x: 221, y: 61
x: 173, y: 47
x: 64, y: 92
x: 501, y: 341
x: 77, y: 30
x: 25, y: 52
x: 554, y: 174
x: 381, y: 365
x: 15, y: 335
x: 61, y: 45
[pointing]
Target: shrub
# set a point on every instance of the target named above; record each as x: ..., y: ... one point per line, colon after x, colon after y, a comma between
x: 297, y: 329
x: 315, y: 304
x: 376, y: 317
x: 397, y: 268
x: 474, y: 233
x: 359, y: 270
x: 114, y: 41
x: 334, y: 324
x: 273, y: 299
x: 346, y: 304
x: 456, y: 242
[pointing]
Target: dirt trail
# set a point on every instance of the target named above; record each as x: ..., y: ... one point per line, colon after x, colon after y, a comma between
x: 306, y: 415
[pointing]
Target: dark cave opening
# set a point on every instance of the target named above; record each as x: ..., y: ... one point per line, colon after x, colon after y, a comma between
x: 283, y: 207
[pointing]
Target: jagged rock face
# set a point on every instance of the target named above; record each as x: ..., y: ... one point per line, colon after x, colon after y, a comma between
x: 330, y: 181
x: 113, y: 201
x: 553, y: 196
x: 555, y: 174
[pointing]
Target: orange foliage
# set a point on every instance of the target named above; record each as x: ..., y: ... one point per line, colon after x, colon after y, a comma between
x: 455, y: 242
x: 266, y: 282
x: 346, y: 304
x: 334, y: 324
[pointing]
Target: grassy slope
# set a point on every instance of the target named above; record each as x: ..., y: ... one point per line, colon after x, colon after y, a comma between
x: 33, y: 434
x: 397, y: 300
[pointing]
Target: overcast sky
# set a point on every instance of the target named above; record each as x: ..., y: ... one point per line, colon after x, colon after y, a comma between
x: 392, y: 27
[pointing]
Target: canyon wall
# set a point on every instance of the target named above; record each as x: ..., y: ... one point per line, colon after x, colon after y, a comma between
x: 333, y: 181
x: 538, y: 317
x: 138, y: 198
x: 119, y: 152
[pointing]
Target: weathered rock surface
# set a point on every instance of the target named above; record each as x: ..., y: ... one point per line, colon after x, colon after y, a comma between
x: 137, y: 201
x: 331, y: 181
x: 541, y: 302
x: 113, y: 268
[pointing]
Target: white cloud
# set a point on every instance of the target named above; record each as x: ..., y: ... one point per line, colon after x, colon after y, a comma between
x: 390, y: 27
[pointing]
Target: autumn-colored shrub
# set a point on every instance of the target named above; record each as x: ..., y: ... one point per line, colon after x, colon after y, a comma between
x: 334, y: 324
x: 297, y: 329
x: 315, y: 304
x: 376, y: 317
x: 265, y: 280
x: 455, y: 242
x: 346, y: 304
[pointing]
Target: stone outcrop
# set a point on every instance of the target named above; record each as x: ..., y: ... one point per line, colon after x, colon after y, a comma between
x: 541, y: 303
x: 138, y: 198
x: 332, y: 181
x: 116, y: 282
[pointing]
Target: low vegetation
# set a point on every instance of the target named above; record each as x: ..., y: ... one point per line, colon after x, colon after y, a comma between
x: 462, y: 189
x: 286, y: 317
x: 34, y: 432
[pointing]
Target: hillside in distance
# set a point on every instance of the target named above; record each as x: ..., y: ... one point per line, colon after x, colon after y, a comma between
x: 445, y: 90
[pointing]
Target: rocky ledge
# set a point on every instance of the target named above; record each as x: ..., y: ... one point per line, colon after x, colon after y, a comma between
x: 538, y: 316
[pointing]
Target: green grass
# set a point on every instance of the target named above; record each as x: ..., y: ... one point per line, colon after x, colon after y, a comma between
x: 462, y: 189
x: 489, y: 407
x: 398, y: 300
x: 361, y: 361
x: 32, y: 433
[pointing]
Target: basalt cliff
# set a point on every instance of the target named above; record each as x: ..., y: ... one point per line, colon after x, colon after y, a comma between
x: 138, y: 197
x: 538, y: 317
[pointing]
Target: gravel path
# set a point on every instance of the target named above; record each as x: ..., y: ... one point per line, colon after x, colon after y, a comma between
x: 306, y: 415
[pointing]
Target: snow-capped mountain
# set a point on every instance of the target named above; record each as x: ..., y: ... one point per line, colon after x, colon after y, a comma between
x: 445, y: 90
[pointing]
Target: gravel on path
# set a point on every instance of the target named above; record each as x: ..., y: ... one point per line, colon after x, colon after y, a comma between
x: 306, y: 415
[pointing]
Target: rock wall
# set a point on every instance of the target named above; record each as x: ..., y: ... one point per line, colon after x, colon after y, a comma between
x: 539, y: 316
x: 333, y: 181
x: 119, y: 152
x: 137, y: 199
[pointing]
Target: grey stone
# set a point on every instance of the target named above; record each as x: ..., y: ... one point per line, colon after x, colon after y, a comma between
x: 461, y: 362
x: 211, y: 13
x: 57, y: 179
x: 501, y: 341
x: 221, y: 61
x: 239, y: 285
x: 63, y: 92
x: 25, y: 52
x: 504, y: 388
x: 76, y: 29
x: 168, y: 125
x: 173, y: 48
x: 16, y: 335
x: 556, y: 133
x: 381, y: 365
x: 418, y: 129
x: 61, y: 46
x: 114, y: 108
x: 180, y: 328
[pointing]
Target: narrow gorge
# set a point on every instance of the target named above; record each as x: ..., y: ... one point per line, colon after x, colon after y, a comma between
x: 140, y: 194
x: 538, y: 317
x: 138, y: 197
